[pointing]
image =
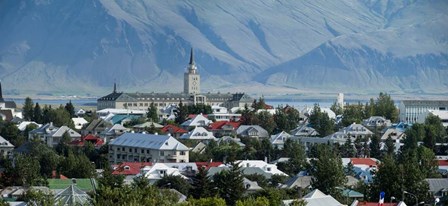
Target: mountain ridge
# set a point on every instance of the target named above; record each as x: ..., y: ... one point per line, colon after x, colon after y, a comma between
x: 82, y: 47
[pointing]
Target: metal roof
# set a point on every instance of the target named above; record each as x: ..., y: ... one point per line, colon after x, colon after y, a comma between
x: 149, y: 141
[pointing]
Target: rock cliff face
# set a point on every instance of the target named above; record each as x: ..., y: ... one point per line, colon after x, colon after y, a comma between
x: 82, y: 47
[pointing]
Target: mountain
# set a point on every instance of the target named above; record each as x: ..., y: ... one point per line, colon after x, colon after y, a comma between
x: 82, y: 46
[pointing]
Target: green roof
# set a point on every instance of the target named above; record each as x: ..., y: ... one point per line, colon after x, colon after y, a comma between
x: 83, y: 184
x: 351, y: 193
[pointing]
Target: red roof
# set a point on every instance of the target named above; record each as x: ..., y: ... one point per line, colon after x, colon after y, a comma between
x: 207, y: 165
x: 191, y: 116
x: 129, y: 168
x: 55, y: 176
x: 442, y: 162
x: 173, y: 129
x: 375, y: 204
x: 96, y: 141
x: 219, y: 124
x: 363, y: 161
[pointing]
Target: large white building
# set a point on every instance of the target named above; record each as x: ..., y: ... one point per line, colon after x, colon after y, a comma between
x: 191, y: 95
x: 139, y: 147
x: 410, y: 110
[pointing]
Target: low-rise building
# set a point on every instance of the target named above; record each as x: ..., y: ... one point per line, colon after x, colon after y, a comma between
x: 410, y: 110
x: 252, y: 131
x: 5, y: 147
x: 138, y: 147
x: 198, y: 133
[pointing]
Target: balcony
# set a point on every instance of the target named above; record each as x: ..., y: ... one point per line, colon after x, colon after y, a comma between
x: 171, y: 156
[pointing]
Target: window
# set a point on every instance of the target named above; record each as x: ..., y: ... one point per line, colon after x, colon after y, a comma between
x: 268, y: 169
x: 182, y: 152
x: 147, y: 151
x: 162, y: 153
x: 130, y: 149
x: 143, y: 151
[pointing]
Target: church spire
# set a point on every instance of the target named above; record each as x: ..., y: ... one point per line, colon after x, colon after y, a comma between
x: 191, y: 57
x: 115, y: 87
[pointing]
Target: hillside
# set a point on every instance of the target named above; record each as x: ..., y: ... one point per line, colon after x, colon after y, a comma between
x: 82, y: 47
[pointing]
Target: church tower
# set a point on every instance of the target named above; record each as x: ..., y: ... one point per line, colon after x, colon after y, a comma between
x: 192, y: 80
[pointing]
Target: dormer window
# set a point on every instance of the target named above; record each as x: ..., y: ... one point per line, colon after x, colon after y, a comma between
x: 268, y: 169
x: 127, y: 167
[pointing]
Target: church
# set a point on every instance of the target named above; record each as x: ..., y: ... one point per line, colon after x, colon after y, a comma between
x: 191, y: 95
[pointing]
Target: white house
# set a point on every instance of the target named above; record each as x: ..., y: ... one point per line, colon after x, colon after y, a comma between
x: 79, y: 122
x: 198, y: 121
x: 304, y: 131
x: 52, y: 135
x: 5, y: 147
x: 158, y: 170
x: 376, y: 121
x: 198, y: 133
x: 278, y: 140
x: 254, y: 131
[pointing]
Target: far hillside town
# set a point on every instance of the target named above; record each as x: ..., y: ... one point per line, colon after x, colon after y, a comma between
x: 192, y: 148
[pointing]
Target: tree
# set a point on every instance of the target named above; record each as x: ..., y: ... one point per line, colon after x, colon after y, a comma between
x: 428, y: 163
x: 110, y: 180
x: 37, y: 114
x: 321, y: 122
x: 152, y: 113
x: 201, y: 186
x: 181, y: 113
x: 28, y: 169
x: 174, y: 182
x: 208, y: 201
x: 387, y: 179
x: 229, y: 184
x: 70, y: 109
x: 385, y: 107
x: 375, y: 146
x: 297, y: 158
x: 327, y: 171
x: 37, y: 197
x: 266, y: 121
x: 353, y: 114
x: 28, y: 109
x: 259, y: 201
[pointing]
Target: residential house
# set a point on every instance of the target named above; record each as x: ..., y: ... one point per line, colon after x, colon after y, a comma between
x: 251, y: 186
x: 158, y: 170
x: 138, y: 147
x: 198, y: 133
x: 96, y: 127
x: 197, y: 121
x: 52, y: 135
x: 230, y: 140
x: 357, y: 131
x: 199, y: 148
x: 173, y: 130
x: 222, y: 114
x: 111, y: 133
x: 249, y: 167
x: 304, y: 131
x: 376, y: 122
x: 147, y: 125
x: 309, y: 110
x: 364, y: 168
x: 96, y: 141
x: 129, y: 170
x: 278, y: 140
x: 224, y: 128
x: 252, y: 131
x: 336, y: 138
x: 79, y: 122
x: 316, y: 198
x: 5, y: 147
x: 438, y: 187
x: 24, y: 124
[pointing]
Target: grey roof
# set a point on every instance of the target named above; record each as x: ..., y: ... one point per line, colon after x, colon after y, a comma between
x: 244, y: 129
x: 148, y: 125
x: 304, y: 130
x: 148, y: 141
x: 298, y: 181
x: 5, y: 143
x: 72, y: 195
x: 251, y: 185
x: 437, y: 184
x: 316, y: 198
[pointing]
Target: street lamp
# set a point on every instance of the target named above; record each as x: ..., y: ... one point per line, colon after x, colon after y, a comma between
x: 391, y: 199
x: 416, y: 202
